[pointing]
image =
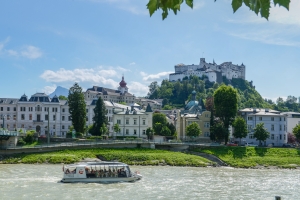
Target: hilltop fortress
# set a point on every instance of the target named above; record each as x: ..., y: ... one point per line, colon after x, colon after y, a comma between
x: 212, y: 71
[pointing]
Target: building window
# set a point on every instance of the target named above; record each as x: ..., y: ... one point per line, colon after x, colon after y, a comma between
x: 54, y: 126
x: 87, y: 110
x: 284, y: 128
x: 279, y: 118
x: 1, y: 108
x: 272, y: 136
x: 87, y: 119
x: 15, y: 109
x: 127, y: 121
x: 249, y: 118
x: 280, y: 138
x: 144, y: 132
x: 46, y: 117
x: 54, y: 117
x: 206, y: 134
x: 206, y: 124
x: 144, y: 122
x: 272, y: 127
x: 260, y: 118
x: 8, y: 108
x: 70, y: 118
x: 134, y: 131
x: 63, y: 110
x: 119, y: 122
x: 272, y: 118
x: 127, y: 131
x: 63, y: 127
x: 134, y: 121
x: 15, y: 117
x: 251, y: 136
x: 62, y: 118
x: 206, y: 115
x: 280, y: 127
x: 22, y: 117
x: 30, y: 116
x: 8, y: 117
x: 284, y: 136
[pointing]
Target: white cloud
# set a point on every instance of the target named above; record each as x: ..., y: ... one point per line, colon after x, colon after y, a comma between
x: 155, y: 76
x: 12, y: 52
x: 132, y: 63
x: 31, y: 52
x: 97, y: 76
x: 49, y: 89
x: 138, y: 89
x: 2, y: 44
x: 143, y: 74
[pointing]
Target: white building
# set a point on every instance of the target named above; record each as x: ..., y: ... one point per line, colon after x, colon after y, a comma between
x: 32, y: 114
x: 274, y: 122
x: 292, y: 120
x: 212, y: 71
x: 117, y: 96
x: 133, y: 122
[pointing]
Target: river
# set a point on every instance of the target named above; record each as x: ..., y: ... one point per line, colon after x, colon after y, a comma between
x: 42, y: 182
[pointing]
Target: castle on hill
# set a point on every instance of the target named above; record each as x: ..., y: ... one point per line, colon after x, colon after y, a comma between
x: 212, y: 71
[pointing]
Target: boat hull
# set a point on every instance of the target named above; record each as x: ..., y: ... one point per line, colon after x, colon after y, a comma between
x: 100, y: 180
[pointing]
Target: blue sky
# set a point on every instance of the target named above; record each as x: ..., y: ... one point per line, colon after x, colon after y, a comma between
x: 44, y: 44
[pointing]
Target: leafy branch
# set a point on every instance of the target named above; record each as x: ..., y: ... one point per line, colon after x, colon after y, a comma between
x: 257, y: 6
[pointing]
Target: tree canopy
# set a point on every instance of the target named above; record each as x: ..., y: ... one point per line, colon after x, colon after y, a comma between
x: 296, y: 131
x: 240, y: 128
x: 225, y: 103
x: 261, y: 7
x: 77, y: 108
x: 261, y: 133
x: 99, y: 117
x: 193, y: 130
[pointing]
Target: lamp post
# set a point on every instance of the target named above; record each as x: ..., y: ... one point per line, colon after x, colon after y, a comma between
x: 48, y: 134
x: 3, y: 116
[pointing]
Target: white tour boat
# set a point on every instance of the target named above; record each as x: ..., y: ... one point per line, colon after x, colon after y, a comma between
x: 97, y: 172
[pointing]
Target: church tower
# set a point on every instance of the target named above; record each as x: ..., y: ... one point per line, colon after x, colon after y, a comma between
x: 123, y: 88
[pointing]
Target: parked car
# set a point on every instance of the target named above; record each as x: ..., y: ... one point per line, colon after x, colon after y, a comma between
x: 214, y: 144
x: 251, y: 145
x: 287, y: 146
x: 232, y: 144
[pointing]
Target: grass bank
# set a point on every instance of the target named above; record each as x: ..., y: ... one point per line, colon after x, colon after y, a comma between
x: 129, y: 156
x: 247, y: 157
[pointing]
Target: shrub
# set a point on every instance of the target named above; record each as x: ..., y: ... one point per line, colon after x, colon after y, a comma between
x: 29, y: 138
x: 21, y: 142
x: 78, y: 135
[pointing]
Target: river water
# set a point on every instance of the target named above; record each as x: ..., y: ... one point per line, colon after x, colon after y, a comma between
x: 42, y: 182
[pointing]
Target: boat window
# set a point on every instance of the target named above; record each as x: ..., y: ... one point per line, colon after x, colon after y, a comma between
x: 70, y: 170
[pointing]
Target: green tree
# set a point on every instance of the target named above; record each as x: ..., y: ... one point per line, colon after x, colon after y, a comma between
x: 77, y: 108
x: 99, y: 117
x: 193, y: 130
x: 149, y: 132
x: 240, y: 128
x: 296, y: 131
x: 172, y: 128
x: 218, y: 131
x: 165, y: 131
x: 257, y: 6
x: 61, y: 97
x: 160, y: 118
x: 157, y: 127
x: 117, y: 128
x: 103, y: 129
x: 225, y: 103
x: 261, y: 133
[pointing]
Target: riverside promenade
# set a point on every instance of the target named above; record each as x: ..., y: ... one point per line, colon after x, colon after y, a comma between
x: 180, y: 146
